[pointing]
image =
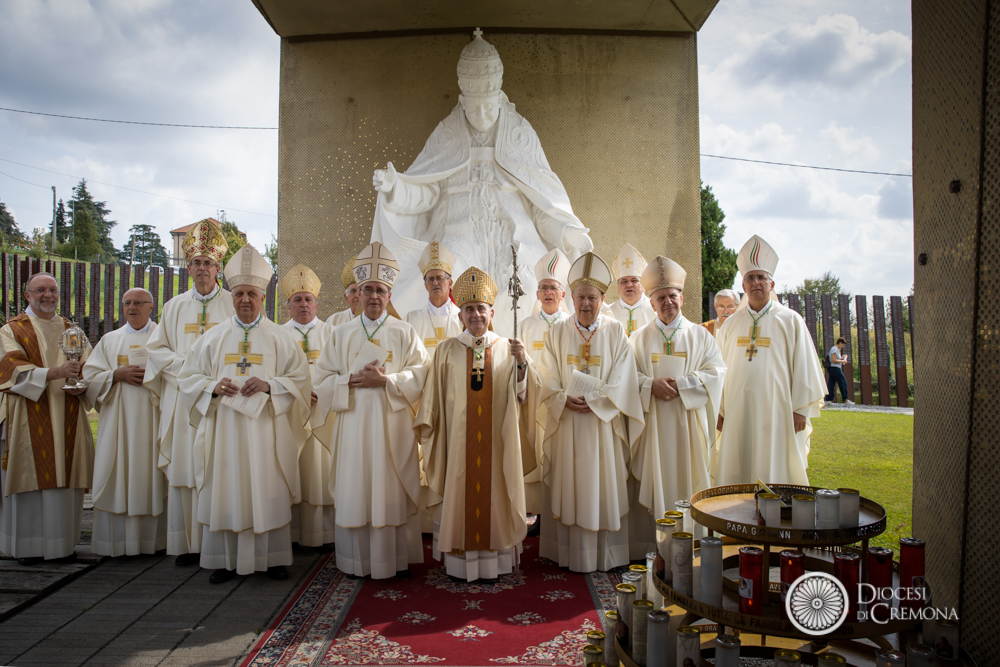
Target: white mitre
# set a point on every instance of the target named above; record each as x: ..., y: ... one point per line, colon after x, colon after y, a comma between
x: 436, y: 258
x: 757, y: 255
x: 662, y: 273
x: 589, y: 269
x: 554, y: 265
x: 628, y: 262
x: 248, y: 267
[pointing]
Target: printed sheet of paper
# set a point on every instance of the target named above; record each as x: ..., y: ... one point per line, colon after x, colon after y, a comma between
x: 670, y: 366
x: 581, y: 384
x: 137, y: 356
x: 251, y: 406
x: 368, y: 353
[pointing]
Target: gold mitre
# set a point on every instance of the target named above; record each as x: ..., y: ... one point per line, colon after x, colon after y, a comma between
x: 480, y: 72
x: 347, y: 275
x: 474, y: 286
x: 248, y: 267
x: 589, y: 269
x: 204, y: 240
x: 554, y: 265
x: 628, y: 262
x: 375, y: 264
x: 436, y: 258
x: 757, y: 255
x: 300, y: 278
x: 662, y: 273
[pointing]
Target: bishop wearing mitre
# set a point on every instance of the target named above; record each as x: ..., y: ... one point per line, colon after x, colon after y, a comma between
x: 680, y: 384
x: 550, y: 307
x: 591, y: 395
x: 369, y: 377
x: 48, y: 451
x: 351, y: 296
x: 130, y: 491
x: 313, y: 519
x: 476, y: 421
x: 246, y: 387
x: 774, y: 382
x: 632, y: 308
x: 185, y: 318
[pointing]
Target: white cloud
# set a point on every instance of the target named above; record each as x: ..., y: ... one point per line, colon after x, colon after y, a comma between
x: 851, y: 148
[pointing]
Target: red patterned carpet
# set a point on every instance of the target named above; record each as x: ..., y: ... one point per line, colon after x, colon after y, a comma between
x: 431, y: 619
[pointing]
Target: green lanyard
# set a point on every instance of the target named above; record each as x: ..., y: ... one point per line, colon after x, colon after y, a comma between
x: 753, y: 332
x: 558, y: 317
x: 204, y: 309
x: 669, y: 341
x: 305, y: 337
x: 384, y: 318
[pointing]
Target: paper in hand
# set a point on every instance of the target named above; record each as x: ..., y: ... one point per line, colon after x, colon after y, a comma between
x: 368, y: 353
x: 251, y: 406
x: 137, y: 354
x: 670, y: 366
x: 581, y: 384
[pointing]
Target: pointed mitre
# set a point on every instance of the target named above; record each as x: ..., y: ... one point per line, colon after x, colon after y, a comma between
x: 347, y: 274
x: 376, y: 264
x: 553, y: 266
x: 662, y: 273
x: 204, y: 239
x: 589, y: 269
x: 248, y: 267
x: 436, y: 258
x: 300, y: 278
x: 474, y: 286
x: 628, y: 262
x: 757, y: 255
x: 480, y: 72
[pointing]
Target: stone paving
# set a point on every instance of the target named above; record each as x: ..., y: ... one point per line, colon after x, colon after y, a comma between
x: 876, y: 409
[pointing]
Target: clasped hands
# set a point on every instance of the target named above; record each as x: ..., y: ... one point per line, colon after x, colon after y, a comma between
x: 129, y: 374
x: 665, y: 389
x: 370, y: 376
x: 225, y: 387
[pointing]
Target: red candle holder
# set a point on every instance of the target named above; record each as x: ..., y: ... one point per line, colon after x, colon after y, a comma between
x: 880, y: 580
x: 911, y: 573
x: 793, y: 566
x: 847, y: 569
x: 751, y: 581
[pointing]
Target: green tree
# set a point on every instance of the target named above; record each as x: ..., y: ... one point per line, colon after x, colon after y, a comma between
x: 271, y: 252
x: 38, y: 245
x: 149, y: 250
x: 84, y: 201
x: 718, y: 263
x: 825, y: 284
x: 85, y: 244
x: 8, y: 226
x: 234, y: 237
x: 62, y: 225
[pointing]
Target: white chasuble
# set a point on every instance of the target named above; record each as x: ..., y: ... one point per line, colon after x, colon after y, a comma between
x: 48, y: 447
x: 672, y: 454
x: 340, y: 317
x: 533, y: 332
x: 374, y: 475
x: 633, y: 317
x: 585, y: 455
x: 129, y: 491
x: 245, y: 468
x: 477, y: 425
x: 313, y: 520
x: 769, y: 376
x: 185, y: 318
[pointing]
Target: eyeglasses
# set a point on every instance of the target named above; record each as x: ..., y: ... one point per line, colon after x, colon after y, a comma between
x: 134, y: 303
x: 549, y: 288
x: 44, y: 290
x: 380, y: 293
x: 198, y: 264
x: 436, y: 279
x: 757, y: 278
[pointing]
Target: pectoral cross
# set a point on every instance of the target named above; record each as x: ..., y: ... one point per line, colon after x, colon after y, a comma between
x: 200, y: 325
x: 583, y: 361
x: 243, y: 359
x: 668, y: 352
x: 752, y: 343
x: 478, y: 372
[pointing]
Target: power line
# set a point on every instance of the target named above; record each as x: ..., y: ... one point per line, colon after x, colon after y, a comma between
x: 807, y: 166
x: 155, y: 194
x: 24, y: 181
x: 136, y: 122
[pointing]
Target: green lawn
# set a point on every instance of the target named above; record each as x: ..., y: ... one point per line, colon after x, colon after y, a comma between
x: 872, y: 453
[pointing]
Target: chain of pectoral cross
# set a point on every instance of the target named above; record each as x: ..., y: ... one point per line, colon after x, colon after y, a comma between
x: 243, y: 364
x: 668, y: 347
x: 585, y: 349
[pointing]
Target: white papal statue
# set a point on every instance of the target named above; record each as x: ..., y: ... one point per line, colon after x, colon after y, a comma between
x: 481, y: 183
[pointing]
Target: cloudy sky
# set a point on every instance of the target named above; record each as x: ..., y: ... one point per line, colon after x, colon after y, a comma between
x: 801, y: 81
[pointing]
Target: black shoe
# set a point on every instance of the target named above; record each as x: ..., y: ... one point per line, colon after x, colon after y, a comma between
x: 494, y: 580
x: 221, y: 576
x: 187, y: 559
x: 30, y: 560
x: 403, y: 574
x: 535, y: 529
x: 160, y: 552
x: 278, y: 573
x: 327, y: 548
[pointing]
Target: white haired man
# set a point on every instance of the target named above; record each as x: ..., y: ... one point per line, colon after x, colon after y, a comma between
x: 725, y: 303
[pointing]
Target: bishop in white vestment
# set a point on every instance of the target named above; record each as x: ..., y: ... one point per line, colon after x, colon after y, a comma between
x: 48, y: 449
x: 245, y: 465
x: 774, y: 383
x: 632, y: 308
x: 351, y: 296
x: 551, y: 272
x: 680, y: 378
x: 130, y: 490
x: 313, y: 519
x: 476, y: 421
x: 185, y: 318
x: 590, y: 391
x: 369, y: 377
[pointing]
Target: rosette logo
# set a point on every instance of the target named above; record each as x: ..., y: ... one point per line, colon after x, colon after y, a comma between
x: 816, y: 603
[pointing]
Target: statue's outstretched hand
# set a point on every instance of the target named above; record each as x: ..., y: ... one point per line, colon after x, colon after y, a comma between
x: 577, y: 241
x: 384, y: 180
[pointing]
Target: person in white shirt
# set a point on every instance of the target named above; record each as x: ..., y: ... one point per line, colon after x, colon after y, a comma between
x: 836, y: 371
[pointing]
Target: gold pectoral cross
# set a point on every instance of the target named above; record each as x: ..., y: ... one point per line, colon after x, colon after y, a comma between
x: 478, y: 372
x: 200, y: 326
x: 584, y: 361
x: 243, y: 359
x: 752, y: 343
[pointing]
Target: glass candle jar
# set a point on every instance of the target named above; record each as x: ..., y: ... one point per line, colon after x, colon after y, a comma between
x: 803, y: 512
x: 751, y: 581
x: 827, y: 509
x: 880, y: 580
x: 711, y: 571
x: 850, y: 508
x: 911, y: 572
x: 847, y: 569
x: 793, y: 566
x: 681, y: 551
